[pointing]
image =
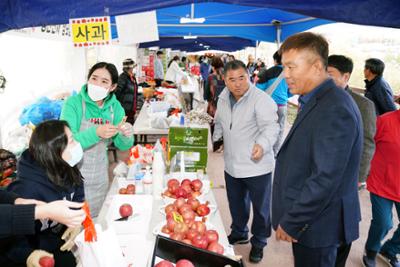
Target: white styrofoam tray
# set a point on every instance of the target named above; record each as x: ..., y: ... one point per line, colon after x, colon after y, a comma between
x: 139, y: 221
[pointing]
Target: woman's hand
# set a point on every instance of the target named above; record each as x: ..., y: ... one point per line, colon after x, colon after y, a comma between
x: 126, y: 129
x: 60, y: 211
x: 106, y: 131
x: 24, y: 201
x: 69, y: 237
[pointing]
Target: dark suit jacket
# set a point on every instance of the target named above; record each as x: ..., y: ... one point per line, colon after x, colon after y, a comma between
x: 315, y: 196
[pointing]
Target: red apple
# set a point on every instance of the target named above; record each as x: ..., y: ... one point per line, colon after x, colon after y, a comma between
x: 164, y: 263
x: 194, y: 203
x: 200, y: 242
x: 172, y: 182
x: 131, y: 187
x: 46, y: 261
x: 203, y: 210
x: 196, y: 185
x: 125, y: 210
x: 184, y: 263
x: 180, y: 193
x: 185, y: 181
x: 216, y: 247
x: 211, y: 236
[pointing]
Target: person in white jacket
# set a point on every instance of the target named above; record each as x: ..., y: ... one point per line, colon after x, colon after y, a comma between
x: 174, y: 73
x: 246, y: 119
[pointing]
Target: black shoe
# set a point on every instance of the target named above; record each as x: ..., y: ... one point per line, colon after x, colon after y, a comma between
x: 256, y: 254
x: 391, y: 261
x: 233, y: 240
x: 368, y: 262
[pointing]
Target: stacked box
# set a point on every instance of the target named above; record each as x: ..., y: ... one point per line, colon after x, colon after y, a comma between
x: 193, y: 142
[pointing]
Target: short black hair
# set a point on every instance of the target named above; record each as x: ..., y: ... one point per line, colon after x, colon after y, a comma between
x: 234, y: 65
x: 315, y: 43
x: 47, y: 143
x: 341, y: 63
x: 375, y: 65
x: 109, y: 67
x: 160, y: 53
x: 277, y: 57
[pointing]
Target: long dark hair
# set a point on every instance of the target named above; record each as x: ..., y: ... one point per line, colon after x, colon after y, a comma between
x: 46, y: 146
x: 175, y: 58
x: 218, y: 65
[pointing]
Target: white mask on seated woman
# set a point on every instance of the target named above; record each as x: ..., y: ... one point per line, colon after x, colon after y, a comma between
x: 72, y: 155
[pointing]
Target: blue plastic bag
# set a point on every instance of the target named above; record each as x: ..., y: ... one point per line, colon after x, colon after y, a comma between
x: 42, y: 110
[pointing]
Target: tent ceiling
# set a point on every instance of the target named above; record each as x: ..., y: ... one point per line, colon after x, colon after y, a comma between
x: 15, y: 14
x: 254, y: 23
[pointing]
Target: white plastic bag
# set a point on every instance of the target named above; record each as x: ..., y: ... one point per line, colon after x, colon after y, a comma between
x: 105, y: 252
x: 159, y: 120
x: 121, y: 170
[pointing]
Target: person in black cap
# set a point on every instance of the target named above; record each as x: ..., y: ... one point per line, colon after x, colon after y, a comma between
x: 127, y: 90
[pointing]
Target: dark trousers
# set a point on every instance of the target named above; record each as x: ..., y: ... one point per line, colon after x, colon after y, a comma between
x: 342, y: 253
x: 314, y: 257
x: 381, y: 223
x: 243, y: 191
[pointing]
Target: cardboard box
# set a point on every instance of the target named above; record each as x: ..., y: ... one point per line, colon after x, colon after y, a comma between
x: 195, y: 157
x: 186, y: 136
x: 173, y: 251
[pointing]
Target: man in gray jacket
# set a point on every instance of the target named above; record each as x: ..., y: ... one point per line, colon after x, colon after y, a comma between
x: 246, y: 119
x: 340, y: 68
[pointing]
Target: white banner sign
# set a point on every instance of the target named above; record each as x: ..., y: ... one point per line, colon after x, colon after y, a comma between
x: 137, y: 28
x: 55, y: 32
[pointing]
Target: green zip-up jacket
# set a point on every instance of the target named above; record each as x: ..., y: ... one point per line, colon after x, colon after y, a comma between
x: 72, y: 113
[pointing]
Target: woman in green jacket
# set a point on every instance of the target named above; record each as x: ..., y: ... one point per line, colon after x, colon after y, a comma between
x: 96, y: 119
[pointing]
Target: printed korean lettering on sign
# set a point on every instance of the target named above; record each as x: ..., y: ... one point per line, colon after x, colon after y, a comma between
x: 91, y: 31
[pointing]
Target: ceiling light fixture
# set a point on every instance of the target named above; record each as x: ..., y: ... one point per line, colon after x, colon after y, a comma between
x: 191, y: 20
x: 190, y: 37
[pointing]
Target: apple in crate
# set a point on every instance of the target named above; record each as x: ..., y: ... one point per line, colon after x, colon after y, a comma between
x: 125, y: 210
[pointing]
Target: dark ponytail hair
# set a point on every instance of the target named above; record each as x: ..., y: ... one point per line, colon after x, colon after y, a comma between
x: 175, y: 58
x: 46, y: 146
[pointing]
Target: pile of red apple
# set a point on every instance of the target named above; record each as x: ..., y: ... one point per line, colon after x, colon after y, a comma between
x: 186, y: 189
x: 129, y: 190
x: 180, y: 263
x: 188, y: 208
x: 182, y: 226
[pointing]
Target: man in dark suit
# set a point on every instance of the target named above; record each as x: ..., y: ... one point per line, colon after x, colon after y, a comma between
x: 315, y: 202
x: 340, y: 69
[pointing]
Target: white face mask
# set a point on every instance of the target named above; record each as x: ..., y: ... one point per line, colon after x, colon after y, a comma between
x: 76, y: 154
x: 96, y: 93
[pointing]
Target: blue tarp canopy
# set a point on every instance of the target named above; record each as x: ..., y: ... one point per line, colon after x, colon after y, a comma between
x: 254, y: 23
x: 201, y: 43
x: 16, y: 14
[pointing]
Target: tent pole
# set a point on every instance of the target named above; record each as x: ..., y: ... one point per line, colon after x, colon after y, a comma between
x: 278, y: 27
x: 255, y: 50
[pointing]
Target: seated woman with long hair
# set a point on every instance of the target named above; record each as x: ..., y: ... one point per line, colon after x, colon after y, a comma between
x: 47, y: 172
